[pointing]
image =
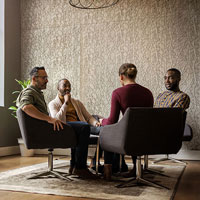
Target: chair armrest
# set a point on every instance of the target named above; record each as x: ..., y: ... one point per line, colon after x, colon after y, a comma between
x: 112, y: 137
x: 188, y: 134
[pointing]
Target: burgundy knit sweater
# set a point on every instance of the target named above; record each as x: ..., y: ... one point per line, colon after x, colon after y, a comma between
x: 131, y: 95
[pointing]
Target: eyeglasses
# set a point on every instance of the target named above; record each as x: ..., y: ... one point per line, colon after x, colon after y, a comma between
x: 43, y: 77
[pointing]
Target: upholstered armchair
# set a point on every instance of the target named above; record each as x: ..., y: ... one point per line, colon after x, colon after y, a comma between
x: 187, y: 136
x: 38, y: 134
x: 144, y: 131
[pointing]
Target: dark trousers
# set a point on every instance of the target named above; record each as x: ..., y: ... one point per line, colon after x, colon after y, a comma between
x: 114, y: 159
x: 80, y: 152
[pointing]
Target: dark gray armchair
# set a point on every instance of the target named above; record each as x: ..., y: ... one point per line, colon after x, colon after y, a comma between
x: 187, y: 136
x: 144, y: 131
x: 38, y: 134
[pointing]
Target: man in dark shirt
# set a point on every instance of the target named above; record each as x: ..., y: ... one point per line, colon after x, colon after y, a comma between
x: 130, y: 94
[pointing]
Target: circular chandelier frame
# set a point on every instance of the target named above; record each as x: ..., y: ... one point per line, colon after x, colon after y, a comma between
x: 92, y: 4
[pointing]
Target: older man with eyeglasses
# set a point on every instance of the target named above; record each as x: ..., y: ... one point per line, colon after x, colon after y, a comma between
x: 31, y: 99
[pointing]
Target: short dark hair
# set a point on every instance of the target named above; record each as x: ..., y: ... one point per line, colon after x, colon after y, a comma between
x: 176, y: 71
x: 129, y: 70
x: 63, y: 79
x: 34, y: 71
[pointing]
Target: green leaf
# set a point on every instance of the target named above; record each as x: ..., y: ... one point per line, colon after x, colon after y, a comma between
x: 14, y: 115
x: 20, y: 82
x: 27, y: 83
x: 12, y: 108
x: 16, y: 92
x: 23, y: 84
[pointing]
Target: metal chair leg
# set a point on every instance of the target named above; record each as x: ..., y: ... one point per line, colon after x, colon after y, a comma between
x: 50, y: 171
x: 147, y: 170
x: 168, y: 158
x: 97, y: 156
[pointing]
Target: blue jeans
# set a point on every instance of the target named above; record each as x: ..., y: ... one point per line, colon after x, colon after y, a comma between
x: 80, y: 152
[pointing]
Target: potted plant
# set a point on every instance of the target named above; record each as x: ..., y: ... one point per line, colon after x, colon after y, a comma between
x: 24, y: 84
x: 24, y: 151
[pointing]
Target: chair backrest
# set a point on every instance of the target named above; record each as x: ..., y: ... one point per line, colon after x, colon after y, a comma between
x: 40, y: 134
x: 146, y: 131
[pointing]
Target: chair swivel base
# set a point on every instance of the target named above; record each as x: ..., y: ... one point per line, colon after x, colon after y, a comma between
x: 151, y: 171
x: 167, y: 158
x: 139, y: 181
x: 51, y: 173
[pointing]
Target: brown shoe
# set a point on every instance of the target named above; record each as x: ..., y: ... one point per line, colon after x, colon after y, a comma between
x: 85, y: 174
x: 107, y: 172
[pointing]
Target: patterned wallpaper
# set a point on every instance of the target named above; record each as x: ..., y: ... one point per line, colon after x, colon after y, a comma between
x: 88, y: 46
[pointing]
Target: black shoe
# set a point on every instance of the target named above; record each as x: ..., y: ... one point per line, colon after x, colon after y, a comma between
x: 131, y: 173
x: 85, y: 174
x: 124, y: 168
x: 100, y: 168
x: 71, y: 168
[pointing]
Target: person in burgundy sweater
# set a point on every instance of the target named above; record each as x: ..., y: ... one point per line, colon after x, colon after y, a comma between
x: 130, y: 94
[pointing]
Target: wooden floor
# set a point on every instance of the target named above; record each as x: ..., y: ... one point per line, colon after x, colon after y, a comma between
x: 188, y: 189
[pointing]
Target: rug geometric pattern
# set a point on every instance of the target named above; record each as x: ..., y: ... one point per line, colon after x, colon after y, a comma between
x: 16, y: 180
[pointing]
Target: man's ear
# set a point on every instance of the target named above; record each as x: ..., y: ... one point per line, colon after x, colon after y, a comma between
x: 178, y: 79
x: 33, y: 78
x: 121, y: 77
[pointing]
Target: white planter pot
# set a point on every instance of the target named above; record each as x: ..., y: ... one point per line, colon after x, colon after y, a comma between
x: 24, y: 151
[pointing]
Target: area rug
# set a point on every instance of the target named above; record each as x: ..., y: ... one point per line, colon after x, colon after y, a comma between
x: 16, y: 180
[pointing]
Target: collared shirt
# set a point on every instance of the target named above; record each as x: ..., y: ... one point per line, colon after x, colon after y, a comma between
x: 34, y: 96
x: 71, y: 114
x: 172, y: 99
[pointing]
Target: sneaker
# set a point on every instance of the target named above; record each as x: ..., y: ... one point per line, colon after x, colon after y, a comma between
x: 85, y: 174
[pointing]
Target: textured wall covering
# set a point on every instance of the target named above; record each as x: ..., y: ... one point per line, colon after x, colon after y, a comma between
x: 88, y: 46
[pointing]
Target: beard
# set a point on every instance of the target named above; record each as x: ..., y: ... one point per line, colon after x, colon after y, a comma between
x: 41, y: 86
x: 172, y: 86
x: 44, y: 86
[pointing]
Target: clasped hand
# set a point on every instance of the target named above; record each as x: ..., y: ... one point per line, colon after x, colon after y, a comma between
x: 98, y: 124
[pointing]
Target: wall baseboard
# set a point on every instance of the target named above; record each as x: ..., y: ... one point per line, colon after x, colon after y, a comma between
x: 182, y: 154
x: 63, y: 152
x: 8, y: 151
